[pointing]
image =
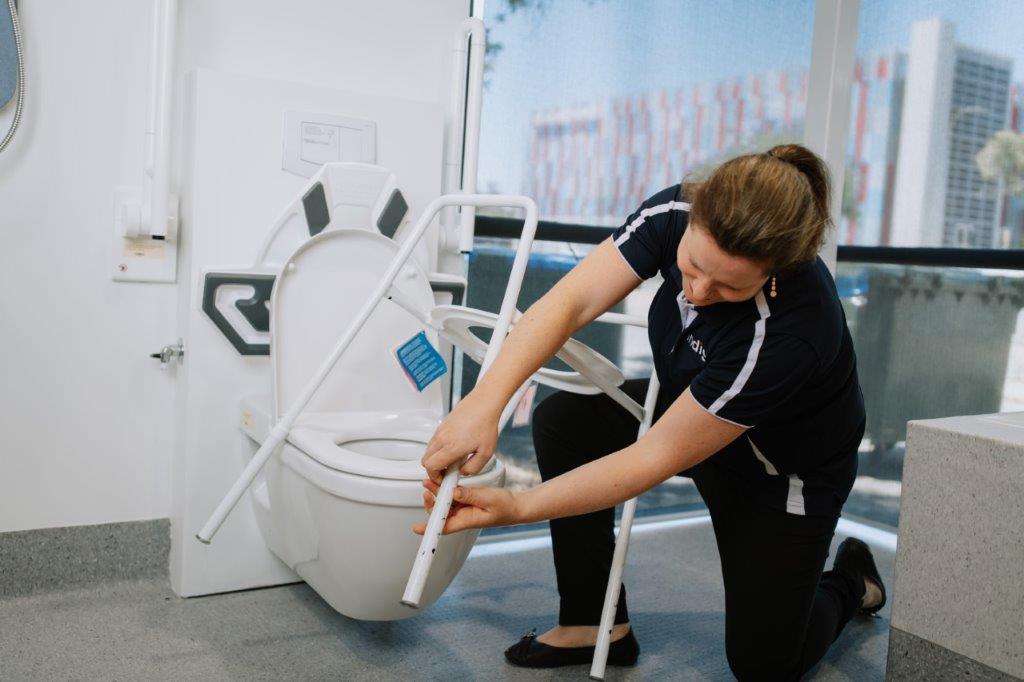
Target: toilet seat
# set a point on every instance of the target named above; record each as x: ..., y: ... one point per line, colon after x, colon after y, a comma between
x: 338, y: 449
x: 456, y: 322
x: 311, y: 451
x: 356, y: 442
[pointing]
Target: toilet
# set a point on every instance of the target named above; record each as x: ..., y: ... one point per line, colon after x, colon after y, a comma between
x: 338, y: 500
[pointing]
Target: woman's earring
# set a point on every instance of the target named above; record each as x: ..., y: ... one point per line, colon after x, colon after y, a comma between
x: 773, y: 293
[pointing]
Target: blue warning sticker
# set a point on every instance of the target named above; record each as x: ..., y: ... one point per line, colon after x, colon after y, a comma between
x: 420, y: 361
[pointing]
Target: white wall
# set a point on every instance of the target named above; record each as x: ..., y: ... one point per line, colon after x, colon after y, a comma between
x: 85, y: 411
x: 82, y: 407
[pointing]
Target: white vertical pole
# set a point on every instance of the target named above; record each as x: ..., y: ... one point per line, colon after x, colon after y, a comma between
x: 454, y: 122
x: 611, y: 595
x: 158, y: 127
x: 471, y: 157
x: 827, y: 121
x: 464, y: 108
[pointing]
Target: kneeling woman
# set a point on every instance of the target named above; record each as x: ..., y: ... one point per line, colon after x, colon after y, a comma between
x: 759, y: 405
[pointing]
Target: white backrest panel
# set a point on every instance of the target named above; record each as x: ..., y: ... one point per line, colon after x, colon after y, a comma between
x: 355, y: 194
x: 313, y: 304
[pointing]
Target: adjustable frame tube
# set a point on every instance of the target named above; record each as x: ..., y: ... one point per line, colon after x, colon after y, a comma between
x: 611, y: 595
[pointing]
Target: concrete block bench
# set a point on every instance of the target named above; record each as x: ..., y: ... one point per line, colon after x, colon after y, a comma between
x: 958, y: 597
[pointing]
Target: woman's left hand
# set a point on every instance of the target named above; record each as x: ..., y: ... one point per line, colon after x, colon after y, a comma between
x: 473, y: 508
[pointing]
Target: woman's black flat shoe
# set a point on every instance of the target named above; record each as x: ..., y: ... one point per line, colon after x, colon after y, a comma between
x: 854, y: 555
x: 529, y: 653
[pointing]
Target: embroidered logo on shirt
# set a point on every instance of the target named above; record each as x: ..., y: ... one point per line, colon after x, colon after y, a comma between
x: 697, y: 347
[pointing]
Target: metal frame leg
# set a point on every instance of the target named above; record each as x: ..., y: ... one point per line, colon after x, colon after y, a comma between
x: 611, y: 595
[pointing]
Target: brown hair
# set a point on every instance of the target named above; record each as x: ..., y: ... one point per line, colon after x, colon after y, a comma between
x: 772, y: 208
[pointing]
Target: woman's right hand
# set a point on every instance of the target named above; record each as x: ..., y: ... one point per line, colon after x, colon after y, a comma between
x: 473, y: 508
x: 469, y: 429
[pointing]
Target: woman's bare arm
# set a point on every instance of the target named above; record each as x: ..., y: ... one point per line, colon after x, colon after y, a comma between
x: 684, y: 436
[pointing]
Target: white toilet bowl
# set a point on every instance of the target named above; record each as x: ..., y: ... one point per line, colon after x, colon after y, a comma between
x: 338, y: 501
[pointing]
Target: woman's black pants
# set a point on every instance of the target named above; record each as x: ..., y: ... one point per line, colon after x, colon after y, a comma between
x: 781, y: 611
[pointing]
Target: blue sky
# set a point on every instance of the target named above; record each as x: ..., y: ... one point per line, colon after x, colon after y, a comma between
x: 578, y: 52
x: 984, y: 24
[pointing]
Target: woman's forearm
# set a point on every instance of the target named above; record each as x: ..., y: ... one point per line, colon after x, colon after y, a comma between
x: 684, y: 436
x: 600, y: 484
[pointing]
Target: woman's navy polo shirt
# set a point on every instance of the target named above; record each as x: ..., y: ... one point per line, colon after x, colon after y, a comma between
x: 784, y: 367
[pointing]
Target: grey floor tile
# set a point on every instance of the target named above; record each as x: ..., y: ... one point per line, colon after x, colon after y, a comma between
x: 141, y: 631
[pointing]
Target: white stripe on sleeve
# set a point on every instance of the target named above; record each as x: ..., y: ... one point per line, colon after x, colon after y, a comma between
x: 648, y: 212
x: 748, y: 366
x: 716, y: 416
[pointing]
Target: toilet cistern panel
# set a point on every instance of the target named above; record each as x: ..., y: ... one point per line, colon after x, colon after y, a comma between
x: 312, y: 139
x: 320, y: 291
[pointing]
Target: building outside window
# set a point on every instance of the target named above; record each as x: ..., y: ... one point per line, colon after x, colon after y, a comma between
x: 593, y: 105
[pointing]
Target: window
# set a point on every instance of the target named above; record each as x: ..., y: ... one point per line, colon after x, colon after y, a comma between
x: 934, y: 82
x: 591, y: 106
